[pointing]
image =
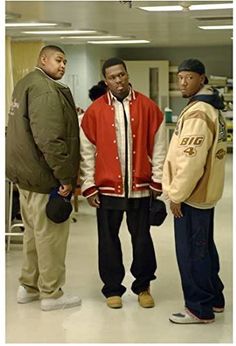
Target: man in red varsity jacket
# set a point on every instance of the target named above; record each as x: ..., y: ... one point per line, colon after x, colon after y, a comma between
x: 122, y: 154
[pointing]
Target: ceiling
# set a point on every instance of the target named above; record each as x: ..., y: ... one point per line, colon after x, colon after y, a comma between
x: 124, y: 18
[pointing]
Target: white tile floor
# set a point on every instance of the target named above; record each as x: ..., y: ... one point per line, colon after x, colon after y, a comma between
x: 94, y: 322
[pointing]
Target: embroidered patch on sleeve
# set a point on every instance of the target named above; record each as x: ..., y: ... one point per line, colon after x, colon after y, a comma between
x: 190, y: 151
x: 192, y: 140
x: 14, y: 105
x: 220, y: 154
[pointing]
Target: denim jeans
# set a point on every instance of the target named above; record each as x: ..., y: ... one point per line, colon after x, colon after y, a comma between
x: 198, y: 261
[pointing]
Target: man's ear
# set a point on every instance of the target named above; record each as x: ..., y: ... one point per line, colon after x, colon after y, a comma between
x: 43, y: 59
x: 203, y: 79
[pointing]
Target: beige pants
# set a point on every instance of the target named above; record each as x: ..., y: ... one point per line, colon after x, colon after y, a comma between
x: 44, y: 247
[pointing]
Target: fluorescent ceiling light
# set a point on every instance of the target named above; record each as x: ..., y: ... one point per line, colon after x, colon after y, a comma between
x: 161, y: 8
x: 59, y: 32
x: 216, y: 27
x: 119, y: 42
x: 33, y: 24
x: 211, y: 7
x: 185, y: 7
x: 91, y: 37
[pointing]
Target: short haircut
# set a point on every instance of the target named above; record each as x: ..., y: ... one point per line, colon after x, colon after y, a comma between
x: 112, y: 62
x: 52, y: 48
x: 97, y: 90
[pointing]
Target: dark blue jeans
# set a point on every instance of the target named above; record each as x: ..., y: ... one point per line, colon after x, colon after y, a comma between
x: 198, y: 261
x: 111, y: 267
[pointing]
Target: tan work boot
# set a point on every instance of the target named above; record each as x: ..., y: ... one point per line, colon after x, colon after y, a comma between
x: 114, y: 302
x: 145, y: 299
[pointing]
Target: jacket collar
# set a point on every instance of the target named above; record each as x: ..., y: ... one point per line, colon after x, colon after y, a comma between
x: 110, y: 97
x: 209, y: 95
x: 55, y: 81
x: 64, y: 89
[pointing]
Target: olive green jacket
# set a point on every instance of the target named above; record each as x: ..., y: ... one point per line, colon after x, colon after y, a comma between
x: 42, y: 144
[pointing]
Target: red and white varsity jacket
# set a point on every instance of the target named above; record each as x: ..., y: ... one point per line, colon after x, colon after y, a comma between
x: 101, y: 166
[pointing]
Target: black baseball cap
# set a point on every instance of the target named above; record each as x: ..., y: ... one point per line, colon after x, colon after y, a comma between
x: 193, y: 65
x: 157, y: 212
x: 58, y: 208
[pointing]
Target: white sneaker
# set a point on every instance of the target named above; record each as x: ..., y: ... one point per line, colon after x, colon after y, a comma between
x: 187, y: 318
x: 64, y: 302
x: 23, y: 296
x: 218, y: 310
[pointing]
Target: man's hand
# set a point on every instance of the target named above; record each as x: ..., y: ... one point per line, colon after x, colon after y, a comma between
x: 64, y: 190
x: 154, y: 194
x: 93, y: 201
x: 176, y: 209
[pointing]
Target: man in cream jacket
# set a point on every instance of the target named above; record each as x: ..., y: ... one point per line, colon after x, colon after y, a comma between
x: 193, y: 180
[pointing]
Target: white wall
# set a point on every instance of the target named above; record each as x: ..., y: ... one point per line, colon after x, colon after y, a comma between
x: 83, y: 69
x: 217, y: 59
x: 84, y: 63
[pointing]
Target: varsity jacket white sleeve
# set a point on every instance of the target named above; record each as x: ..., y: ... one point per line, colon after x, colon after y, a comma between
x: 158, y: 157
x: 87, y: 167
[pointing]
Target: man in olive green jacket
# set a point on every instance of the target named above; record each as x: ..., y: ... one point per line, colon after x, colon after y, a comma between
x: 43, y: 154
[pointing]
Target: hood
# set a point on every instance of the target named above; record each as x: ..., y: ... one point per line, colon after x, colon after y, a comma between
x: 209, y: 95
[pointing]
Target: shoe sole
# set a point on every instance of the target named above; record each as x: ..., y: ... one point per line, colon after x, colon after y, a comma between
x: 60, y: 306
x: 114, y: 306
x: 197, y: 322
x: 27, y: 300
x: 218, y: 310
x: 147, y: 306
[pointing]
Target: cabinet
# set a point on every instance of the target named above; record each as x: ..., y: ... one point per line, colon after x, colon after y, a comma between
x: 228, y: 114
x: 225, y: 87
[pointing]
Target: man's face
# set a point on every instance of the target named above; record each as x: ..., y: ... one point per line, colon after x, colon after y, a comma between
x: 190, y: 83
x: 53, y: 63
x: 117, y: 80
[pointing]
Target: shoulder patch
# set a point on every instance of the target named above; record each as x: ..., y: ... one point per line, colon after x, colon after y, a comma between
x: 14, y: 105
x: 220, y: 154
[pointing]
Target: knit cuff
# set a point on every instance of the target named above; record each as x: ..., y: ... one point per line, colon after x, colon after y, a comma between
x: 156, y: 186
x: 90, y: 191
